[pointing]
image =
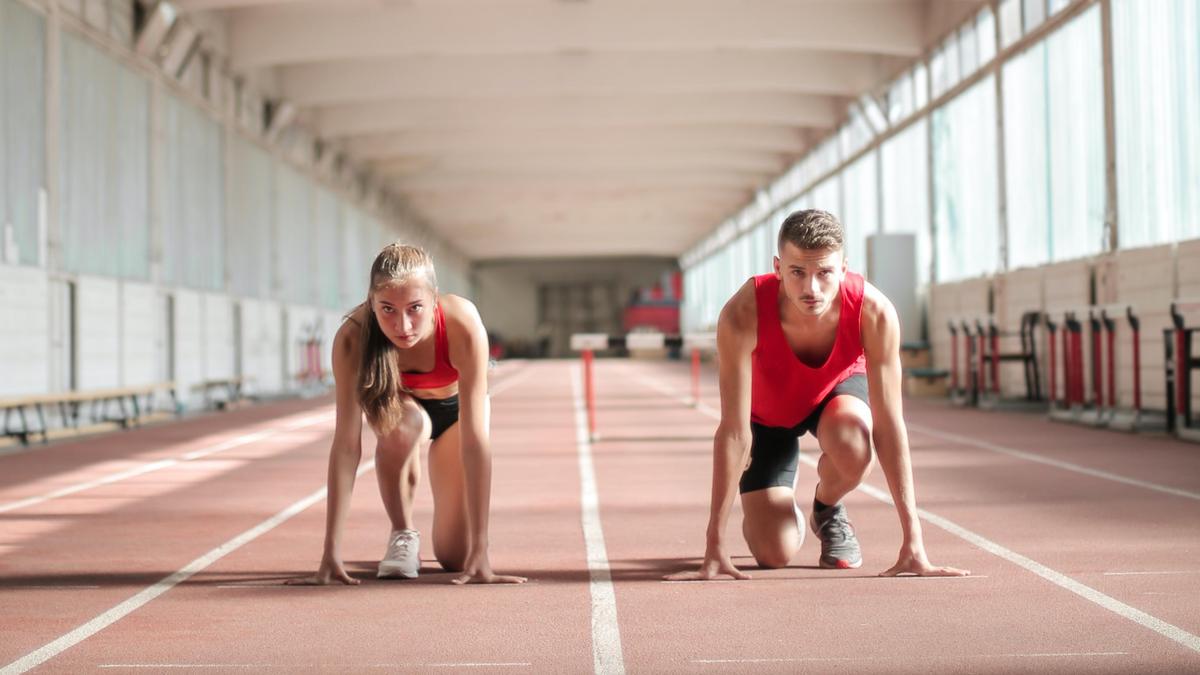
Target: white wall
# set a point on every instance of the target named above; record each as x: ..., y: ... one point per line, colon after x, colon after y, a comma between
x: 262, y: 356
x: 189, y: 347
x: 141, y: 318
x: 24, y: 334
x: 218, y: 336
x: 98, y: 341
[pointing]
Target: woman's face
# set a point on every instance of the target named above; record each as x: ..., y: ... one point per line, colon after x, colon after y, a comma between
x: 405, y: 311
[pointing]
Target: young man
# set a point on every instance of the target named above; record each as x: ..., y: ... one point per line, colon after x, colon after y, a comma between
x: 811, y: 348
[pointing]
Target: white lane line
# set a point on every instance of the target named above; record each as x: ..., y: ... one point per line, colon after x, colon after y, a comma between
x: 1058, y: 464
x: 1119, y: 608
x: 1130, y: 574
x: 475, y: 665
x: 291, y: 666
x: 607, y: 657
x: 161, y: 464
x: 790, y: 579
x: 116, y: 613
x: 803, y: 659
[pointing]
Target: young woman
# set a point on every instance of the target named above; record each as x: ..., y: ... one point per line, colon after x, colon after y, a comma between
x: 415, y: 363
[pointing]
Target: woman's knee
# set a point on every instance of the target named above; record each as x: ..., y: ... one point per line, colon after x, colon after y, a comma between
x: 408, y: 434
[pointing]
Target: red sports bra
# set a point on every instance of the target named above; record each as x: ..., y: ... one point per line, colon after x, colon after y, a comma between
x: 784, y: 391
x: 443, y: 373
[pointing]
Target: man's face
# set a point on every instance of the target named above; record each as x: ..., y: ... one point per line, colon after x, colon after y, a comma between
x: 405, y: 311
x: 811, y: 278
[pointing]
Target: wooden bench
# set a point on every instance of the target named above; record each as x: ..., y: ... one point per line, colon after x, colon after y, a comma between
x: 232, y: 387
x: 128, y: 400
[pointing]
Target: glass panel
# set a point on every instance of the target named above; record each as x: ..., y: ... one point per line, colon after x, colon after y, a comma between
x: 860, y: 213
x: 103, y: 195
x: 192, y: 198
x: 968, y: 45
x: 1027, y: 158
x: 965, y: 185
x: 921, y: 85
x: 1035, y: 13
x: 986, y: 33
x: 1010, y: 22
x: 250, y: 234
x: 22, y: 132
x: 1156, y: 68
x: 905, y: 189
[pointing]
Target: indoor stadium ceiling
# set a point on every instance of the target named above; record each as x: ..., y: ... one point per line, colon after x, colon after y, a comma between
x: 548, y: 128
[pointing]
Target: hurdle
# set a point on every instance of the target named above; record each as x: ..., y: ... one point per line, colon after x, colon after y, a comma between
x: 1178, y: 364
x: 587, y: 344
x: 966, y: 368
x: 1136, y: 418
x: 1073, y: 406
x: 990, y: 393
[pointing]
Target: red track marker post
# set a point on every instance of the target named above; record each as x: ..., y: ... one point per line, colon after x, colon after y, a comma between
x: 589, y: 393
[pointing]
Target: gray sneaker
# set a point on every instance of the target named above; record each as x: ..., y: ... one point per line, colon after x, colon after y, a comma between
x: 839, y: 546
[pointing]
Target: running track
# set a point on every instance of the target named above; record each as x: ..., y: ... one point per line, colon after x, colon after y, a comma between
x: 165, y: 550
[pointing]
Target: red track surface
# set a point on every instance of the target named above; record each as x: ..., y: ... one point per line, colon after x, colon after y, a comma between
x: 67, y: 560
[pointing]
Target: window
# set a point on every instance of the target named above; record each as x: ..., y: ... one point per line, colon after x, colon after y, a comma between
x: 904, y: 189
x: 1010, y: 22
x: 860, y: 210
x: 965, y: 180
x: 1156, y: 64
x: 22, y: 132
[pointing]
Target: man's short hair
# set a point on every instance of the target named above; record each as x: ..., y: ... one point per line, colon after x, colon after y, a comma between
x: 812, y: 229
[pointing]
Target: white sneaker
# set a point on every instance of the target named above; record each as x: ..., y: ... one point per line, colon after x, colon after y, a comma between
x: 403, y: 557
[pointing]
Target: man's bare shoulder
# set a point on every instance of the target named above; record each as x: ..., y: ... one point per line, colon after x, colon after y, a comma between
x: 740, y: 313
x: 876, y: 305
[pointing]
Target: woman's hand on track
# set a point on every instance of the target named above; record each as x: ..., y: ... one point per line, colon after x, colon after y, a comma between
x: 480, y: 572
x: 329, y: 572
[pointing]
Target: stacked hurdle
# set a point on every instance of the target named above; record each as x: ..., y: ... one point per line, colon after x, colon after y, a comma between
x: 587, y: 344
x: 1179, y: 363
x: 1099, y: 406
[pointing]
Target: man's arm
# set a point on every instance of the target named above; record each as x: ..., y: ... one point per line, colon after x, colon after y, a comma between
x: 881, y: 344
x: 737, y: 334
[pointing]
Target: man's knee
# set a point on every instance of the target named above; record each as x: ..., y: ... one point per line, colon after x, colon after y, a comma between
x: 773, y: 555
x: 846, y: 437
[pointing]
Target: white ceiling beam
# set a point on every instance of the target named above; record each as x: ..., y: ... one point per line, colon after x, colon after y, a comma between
x: 778, y: 140
x: 820, y: 112
x: 271, y: 36
x: 599, y: 180
x: 475, y: 77
x: 583, y: 162
x: 575, y: 197
x: 589, y: 238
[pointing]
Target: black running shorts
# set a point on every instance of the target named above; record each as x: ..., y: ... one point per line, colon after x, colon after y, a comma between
x: 774, y: 451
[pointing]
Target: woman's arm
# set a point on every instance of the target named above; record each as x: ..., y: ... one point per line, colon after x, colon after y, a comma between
x: 469, y: 355
x: 344, y: 456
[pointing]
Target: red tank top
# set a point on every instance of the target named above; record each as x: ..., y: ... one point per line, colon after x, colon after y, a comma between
x: 443, y: 373
x: 784, y: 391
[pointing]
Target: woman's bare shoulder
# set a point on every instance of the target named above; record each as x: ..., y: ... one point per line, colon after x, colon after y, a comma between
x: 346, y: 340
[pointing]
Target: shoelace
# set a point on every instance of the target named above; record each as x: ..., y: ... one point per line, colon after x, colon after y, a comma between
x: 399, y: 546
x: 836, y: 530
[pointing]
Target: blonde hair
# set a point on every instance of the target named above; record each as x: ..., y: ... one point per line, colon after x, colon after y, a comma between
x: 379, y: 379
